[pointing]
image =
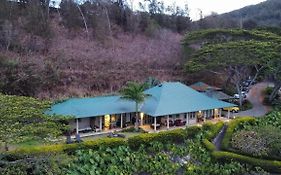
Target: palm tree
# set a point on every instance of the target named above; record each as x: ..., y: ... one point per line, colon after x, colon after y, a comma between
x: 135, y: 92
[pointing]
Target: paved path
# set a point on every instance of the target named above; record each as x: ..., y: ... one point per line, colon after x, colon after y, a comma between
x: 217, y: 141
x: 255, y: 96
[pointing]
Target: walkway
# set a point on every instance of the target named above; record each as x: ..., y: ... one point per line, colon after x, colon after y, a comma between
x: 256, y: 97
x: 217, y: 141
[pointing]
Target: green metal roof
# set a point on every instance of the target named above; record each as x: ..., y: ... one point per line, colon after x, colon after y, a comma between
x: 165, y: 99
x: 91, y: 107
x: 202, y: 87
x: 175, y: 98
x: 217, y: 95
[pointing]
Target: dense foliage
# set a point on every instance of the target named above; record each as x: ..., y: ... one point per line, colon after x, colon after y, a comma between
x: 156, y: 158
x: 237, y: 54
x: 261, y: 138
x: 231, y: 127
x: 23, y: 118
x: 113, y: 156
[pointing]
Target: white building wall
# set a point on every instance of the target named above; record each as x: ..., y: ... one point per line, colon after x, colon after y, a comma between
x: 83, y: 123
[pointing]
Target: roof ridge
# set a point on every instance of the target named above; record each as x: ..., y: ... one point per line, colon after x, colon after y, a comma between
x: 159, y: 98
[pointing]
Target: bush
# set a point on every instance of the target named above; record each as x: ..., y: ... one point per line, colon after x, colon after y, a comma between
x: 173, y: 136
x: 268, y: 91
x: 192, y: 131
x: 132, y: 129
x: 212, y: 129
x: 269, y: 165
x: 232, y: 125
x: 250, y: 143
x: 209, y: 145
x: 69, y: 148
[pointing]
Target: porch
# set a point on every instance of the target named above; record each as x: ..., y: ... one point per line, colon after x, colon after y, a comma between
x: 114, y: 123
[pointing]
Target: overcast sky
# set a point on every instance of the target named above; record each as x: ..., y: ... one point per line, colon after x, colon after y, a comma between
x: 207, y: 6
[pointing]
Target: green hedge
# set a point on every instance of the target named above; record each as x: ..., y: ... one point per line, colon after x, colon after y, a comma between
x: 192, y: 131
x: 232, y: 125
x: 209, y: 145
x: 269, y: 165
x: 173, y: 136
x: 212, y: 129
x: 69, y: 148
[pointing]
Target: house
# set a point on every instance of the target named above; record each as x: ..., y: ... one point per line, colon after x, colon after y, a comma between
x: 167, y: 101
x: 211, y: 91
x: 203, y: 87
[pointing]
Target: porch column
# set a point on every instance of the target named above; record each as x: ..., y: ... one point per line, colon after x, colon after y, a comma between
x: 205, y: 115
x: 100, y: 123
x: 228, y: 113
x: 77, y: 126
x: 154, y: 123
x: 187, y: 119
x: 141, y: 118
x: 168, y: 123
x: 220, y: 113
x: 121, y: 121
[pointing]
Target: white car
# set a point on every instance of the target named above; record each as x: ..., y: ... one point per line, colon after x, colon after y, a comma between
x: 244, y: 94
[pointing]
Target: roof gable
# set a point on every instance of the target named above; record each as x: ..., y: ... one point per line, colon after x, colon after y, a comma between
x: 175, y: 98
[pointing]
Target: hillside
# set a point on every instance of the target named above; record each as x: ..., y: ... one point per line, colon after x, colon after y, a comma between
x: 89, y: 67
x: 265, y: 14
x: 87, y: 49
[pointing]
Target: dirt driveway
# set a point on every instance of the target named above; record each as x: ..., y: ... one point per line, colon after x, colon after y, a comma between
x: 255, y: 96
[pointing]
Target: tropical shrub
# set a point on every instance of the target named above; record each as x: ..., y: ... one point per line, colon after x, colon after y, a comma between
x: 69, y: 148
x: 209, y: 145
x: 212, y: 129
x: 270, y: 165
x: 121, y: 160
x: 258, y: 141
x: 36, y: 165
x: 132, y: 129
x: 192, y: 131
x: 249, y: 142
x: 232, y: 125
x: 23, y: 119
x: 204, y: 164
x: 173, y: 136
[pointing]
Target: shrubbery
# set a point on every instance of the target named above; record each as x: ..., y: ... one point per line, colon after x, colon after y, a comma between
x: 232, y: 125
x: 269, y: 165
x: 173, y: 136
x: 212, y: 129
x: 70, y: 148
x: 209, y: 145
x: 132, y: 129
x: 249, y: 142
x: 121, y: 160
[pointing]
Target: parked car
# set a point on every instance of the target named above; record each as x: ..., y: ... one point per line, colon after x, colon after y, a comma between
x: 232, y: 109
x: 244, y: 95
x: 179, y: 122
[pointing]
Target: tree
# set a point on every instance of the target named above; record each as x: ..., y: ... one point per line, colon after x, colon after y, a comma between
x: 239, y: 53
x: 274, y: 69
x: 238, y: 59
x: 23, y: 119
x: 135, y: 92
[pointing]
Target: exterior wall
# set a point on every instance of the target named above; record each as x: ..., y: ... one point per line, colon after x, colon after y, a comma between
x: 83, y: 123
x: 192, y: 118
